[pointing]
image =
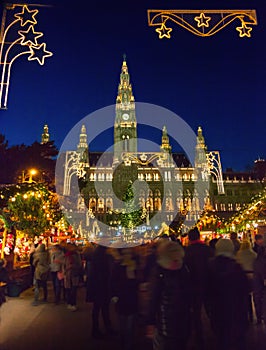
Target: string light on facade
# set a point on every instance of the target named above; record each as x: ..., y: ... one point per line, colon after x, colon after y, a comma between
x: 202, y: 23
x: 20, y: 33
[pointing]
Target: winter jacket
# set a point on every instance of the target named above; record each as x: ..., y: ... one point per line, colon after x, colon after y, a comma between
x: 126, y: 289
x: 170, y: 302
x: 197, y: 256
x: 228, y: 291
x: 72, y: 268
x: 41, y: 263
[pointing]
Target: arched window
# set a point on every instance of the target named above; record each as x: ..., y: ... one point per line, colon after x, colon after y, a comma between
x: 92, y: 204
x: 109, y: 204
x: 100, y: 205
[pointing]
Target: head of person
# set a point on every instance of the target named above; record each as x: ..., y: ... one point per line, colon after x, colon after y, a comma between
x: 193, y: 234
x: 259, y: 239
x: 41, y: 248
x: 233, y: 235
x: 213, y: 242
x: 224, y: 247
x: 170, y: 255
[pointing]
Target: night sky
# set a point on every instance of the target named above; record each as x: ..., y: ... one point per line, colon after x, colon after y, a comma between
x: 216, y: 82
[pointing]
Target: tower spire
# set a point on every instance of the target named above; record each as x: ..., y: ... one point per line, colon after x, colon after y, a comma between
x: 125, y: 128
x: 82, y: 146
x: 201, y: 149
x: 165, y: 146
x: 45, y: 134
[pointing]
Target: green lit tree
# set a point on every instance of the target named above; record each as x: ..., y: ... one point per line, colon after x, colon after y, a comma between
x: 32, y: 209
x: 132, y: 216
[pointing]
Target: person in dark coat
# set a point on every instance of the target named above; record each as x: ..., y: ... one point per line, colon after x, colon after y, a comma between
x: 259, y: 285
x: 197, y: 255
x: 99, y: 289
x: 169, y: 316
x: 125, y: 284
x: 4, y: 279
x: 228, y: 290
x: 258, y: 246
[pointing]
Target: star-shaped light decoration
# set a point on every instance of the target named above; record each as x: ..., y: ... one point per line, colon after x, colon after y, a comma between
x: 27, y: 16
x: 203, y: 21
x: 29, y: 37
x: 164, y: 31
x: 39, y: 53
x: 244, y: 30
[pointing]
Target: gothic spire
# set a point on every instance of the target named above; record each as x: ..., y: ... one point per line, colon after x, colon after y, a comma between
x: 165, y: 141
x: 45, y: 134
x: 83, y: 138
x: 201, y: 149
x: 124, y: 95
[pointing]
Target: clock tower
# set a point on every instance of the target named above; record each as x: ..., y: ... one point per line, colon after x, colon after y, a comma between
x: 125, y: 128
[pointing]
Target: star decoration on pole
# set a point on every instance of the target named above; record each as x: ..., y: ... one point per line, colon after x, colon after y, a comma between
x: 244, y: 30
x: 39, y: 53
x: 164, y: 31
x: 27, y: 40
x: 26, y: 17
x: 203, y: 21
x: 29, y: 37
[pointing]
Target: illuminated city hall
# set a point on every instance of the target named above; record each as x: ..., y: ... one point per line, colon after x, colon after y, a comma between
x: 172, y: 188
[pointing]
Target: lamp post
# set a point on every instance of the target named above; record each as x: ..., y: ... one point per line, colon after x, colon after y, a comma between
x: 28, y: 175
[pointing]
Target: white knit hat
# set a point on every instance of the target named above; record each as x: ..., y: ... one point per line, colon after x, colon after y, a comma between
x: 224, y: 247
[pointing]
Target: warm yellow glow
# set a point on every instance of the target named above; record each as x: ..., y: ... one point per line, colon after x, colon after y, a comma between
x: 33, y: 171
x: 164, y: 31
x: 26, y: 16
x: 202, y: 20
x: 29, y: 37
x: 42, y: 48
x: 244, y: 30
x: 207, y: 23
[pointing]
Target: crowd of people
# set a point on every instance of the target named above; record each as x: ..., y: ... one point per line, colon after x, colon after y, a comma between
x: 222, y: 278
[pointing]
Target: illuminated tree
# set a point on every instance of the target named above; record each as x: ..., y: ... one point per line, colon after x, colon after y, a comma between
x: 133, y: 215
x: 31, y: 208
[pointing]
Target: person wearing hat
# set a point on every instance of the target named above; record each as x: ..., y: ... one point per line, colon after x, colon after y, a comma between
x: 168, y: 317
x: 228, y: 291
x: 246, y: 258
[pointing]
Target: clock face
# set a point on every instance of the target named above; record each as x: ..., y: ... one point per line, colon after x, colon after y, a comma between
x: 125, y: 116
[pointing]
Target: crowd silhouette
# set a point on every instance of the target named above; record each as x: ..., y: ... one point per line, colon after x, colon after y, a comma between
x: 223, y: 280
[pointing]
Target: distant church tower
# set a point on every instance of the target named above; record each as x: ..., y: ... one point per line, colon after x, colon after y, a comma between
x: 45, y: 134
x: 125, y: 128
x: 82, y: 147
x: 201, y: 162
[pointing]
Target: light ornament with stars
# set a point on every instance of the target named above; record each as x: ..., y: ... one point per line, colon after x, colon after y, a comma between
x: 39, y: 53
x: 244, y: 30
x: 29, y: 37
x: 26, y: 16
x: 202, y: 20
x: 164, y: 31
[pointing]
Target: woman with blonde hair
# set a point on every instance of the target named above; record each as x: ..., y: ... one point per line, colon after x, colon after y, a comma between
x: 246, y: 258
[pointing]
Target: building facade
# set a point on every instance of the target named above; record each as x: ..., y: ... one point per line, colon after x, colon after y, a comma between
x: 165, y: 184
